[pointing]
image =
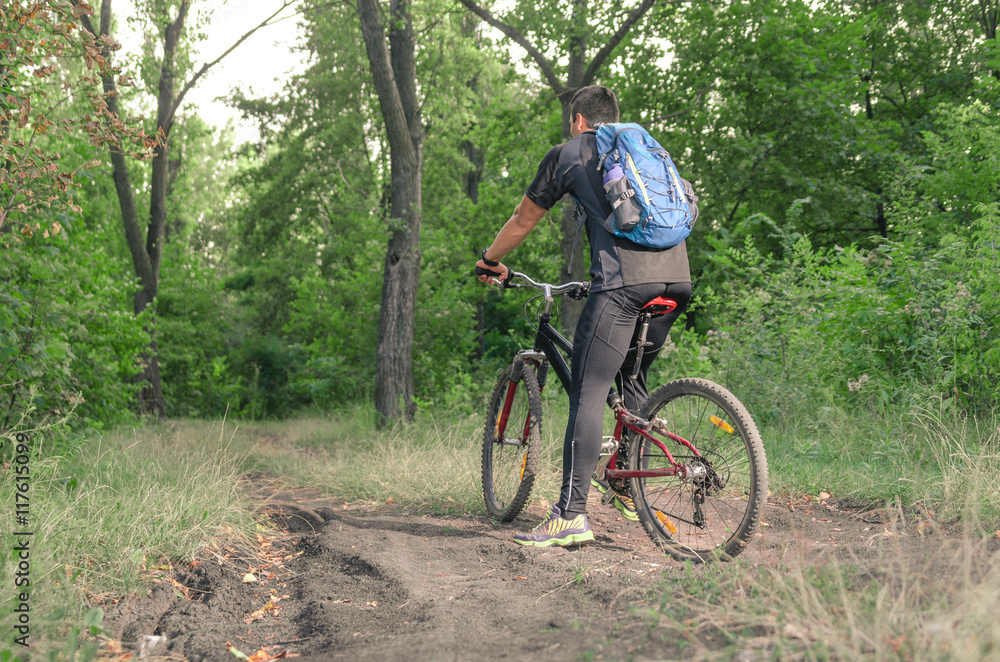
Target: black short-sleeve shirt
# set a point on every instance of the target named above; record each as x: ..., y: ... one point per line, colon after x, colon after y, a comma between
x: 614, y: 262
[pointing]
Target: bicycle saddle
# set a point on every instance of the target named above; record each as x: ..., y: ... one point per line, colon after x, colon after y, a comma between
x: 659, y: 306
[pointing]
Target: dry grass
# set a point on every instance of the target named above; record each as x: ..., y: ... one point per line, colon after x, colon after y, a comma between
x: 930, y: 592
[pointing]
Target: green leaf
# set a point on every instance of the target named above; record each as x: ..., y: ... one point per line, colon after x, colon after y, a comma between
x: 57, y: 349
x: 93, y: 617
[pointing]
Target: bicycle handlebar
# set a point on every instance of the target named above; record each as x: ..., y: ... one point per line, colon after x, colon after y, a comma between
x: 578, y: 288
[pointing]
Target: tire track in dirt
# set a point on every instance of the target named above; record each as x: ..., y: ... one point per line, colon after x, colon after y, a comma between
x: 452, y: 589
x: 381, y: 584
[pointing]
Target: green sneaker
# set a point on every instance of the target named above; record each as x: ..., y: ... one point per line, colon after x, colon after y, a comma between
x: 557, y: 531
x: 623, y: 503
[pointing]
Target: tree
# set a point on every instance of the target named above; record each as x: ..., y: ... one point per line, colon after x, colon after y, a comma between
x: 51, y: 111
x: 918, y: 55
x: 777, y: 125
x: 395, y: 75
x: 147, y: 247
x: 39, y: 41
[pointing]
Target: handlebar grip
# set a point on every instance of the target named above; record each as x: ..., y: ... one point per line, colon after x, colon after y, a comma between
x: 486, y: 272
x: 503, y: 283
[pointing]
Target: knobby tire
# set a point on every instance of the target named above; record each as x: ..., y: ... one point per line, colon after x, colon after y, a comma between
x: 509, y: 469
x: 712, y: 515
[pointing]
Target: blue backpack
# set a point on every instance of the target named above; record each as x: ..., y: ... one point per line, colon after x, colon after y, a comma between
x: 652, y: 205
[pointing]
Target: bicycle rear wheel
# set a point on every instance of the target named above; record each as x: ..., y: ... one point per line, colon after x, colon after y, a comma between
x: 511, y: 445
x: 711, y: 512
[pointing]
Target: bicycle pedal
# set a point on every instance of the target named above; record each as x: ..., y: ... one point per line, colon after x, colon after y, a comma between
x: 608, y: 496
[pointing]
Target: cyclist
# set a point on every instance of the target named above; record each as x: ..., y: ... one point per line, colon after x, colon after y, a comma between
x: 624, y: 277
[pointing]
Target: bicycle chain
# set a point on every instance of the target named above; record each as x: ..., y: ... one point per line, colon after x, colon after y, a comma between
x: 622, y: 486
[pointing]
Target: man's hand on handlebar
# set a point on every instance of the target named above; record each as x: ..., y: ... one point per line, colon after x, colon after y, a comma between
x: 492, y: 275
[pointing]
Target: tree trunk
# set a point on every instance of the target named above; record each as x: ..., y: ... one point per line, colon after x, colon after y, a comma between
x: 475, y: 173
x: 989, y: 16
x: 395, y: 79
x: 145, y: 263
x: 576, y: 260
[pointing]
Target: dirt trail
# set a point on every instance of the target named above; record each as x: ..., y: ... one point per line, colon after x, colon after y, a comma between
x: 384, y: 585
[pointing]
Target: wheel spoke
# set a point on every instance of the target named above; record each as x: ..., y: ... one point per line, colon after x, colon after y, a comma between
x: 508, y: 468
x: 716, y: 506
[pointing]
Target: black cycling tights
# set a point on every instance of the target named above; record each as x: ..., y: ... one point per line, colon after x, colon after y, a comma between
x: 606, y: 331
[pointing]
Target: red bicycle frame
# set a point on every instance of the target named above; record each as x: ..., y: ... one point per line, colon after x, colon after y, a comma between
x: 625, y: 419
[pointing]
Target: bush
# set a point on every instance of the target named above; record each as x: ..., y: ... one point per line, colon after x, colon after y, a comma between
x: 69, y: 339
x: 903, y: 327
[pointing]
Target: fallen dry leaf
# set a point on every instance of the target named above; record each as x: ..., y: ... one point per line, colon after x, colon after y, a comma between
x: 181, y: 587
x: 249, y: 577
x: 259, y: 614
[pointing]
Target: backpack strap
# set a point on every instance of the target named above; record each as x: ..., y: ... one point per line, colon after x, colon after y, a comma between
x: 582, y: 213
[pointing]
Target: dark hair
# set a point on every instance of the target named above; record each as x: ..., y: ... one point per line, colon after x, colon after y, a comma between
x: 596, y: 103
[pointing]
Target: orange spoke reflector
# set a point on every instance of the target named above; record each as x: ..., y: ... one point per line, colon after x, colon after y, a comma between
x: 666, y: 521
x: 722, y: 424
x: 524, y: 464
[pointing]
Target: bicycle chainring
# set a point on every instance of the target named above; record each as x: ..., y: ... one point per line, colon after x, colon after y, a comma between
x: 621, y: 486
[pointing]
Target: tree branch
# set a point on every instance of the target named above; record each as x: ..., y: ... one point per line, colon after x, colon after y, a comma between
x: 697, y: 100
x: 360, y: 192
x: 205, y: 67
x: 602, y: 55
x: 396, y: 125
x: 547, y: 71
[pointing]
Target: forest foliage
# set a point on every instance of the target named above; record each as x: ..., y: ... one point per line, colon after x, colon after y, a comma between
x: 847, y: 156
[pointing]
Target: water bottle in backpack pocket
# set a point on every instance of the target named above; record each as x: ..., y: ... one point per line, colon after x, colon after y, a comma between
x: 626, y: 212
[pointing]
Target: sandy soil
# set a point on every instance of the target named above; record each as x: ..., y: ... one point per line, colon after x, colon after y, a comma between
x: 365, y: 583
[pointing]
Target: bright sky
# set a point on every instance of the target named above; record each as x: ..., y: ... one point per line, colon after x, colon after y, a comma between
x: 260, y: 64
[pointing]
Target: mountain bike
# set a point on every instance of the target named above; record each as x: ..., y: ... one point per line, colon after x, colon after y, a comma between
x: 691, y: 458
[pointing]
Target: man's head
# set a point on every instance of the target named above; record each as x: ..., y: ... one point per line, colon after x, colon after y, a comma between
x: 596, y: 103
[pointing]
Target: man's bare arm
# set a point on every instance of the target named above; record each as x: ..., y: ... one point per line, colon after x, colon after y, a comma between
x: 524, y: 219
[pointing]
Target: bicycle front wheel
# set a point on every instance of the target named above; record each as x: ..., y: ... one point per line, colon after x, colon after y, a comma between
x: 711, y: 510
x: 511, y: 441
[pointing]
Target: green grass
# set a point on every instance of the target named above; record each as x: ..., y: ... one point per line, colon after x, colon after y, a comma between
x: 935, y: 605
x: 430, y: 465
x: 916, y: 459
x: 120, y: 504
x: 930, y: 602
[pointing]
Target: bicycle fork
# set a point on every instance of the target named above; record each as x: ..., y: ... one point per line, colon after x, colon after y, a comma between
x: 515, y: 376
